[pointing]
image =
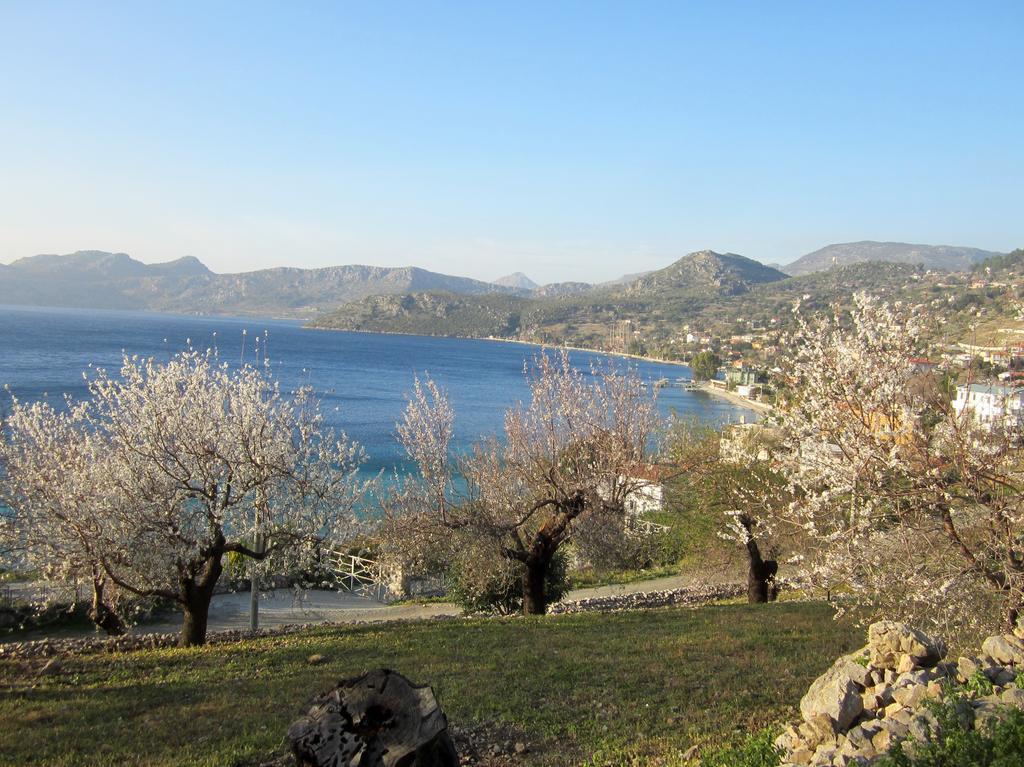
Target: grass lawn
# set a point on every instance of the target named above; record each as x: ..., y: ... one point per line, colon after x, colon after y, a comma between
x: 626, y: 688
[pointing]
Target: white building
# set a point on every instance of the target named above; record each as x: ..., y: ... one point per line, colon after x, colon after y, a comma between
x: 991, y: 405
x: 646, y: 496
x: 649, y: 496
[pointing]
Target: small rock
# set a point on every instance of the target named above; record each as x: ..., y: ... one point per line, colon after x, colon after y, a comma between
x: 835, y: 694
x: 1005, y: 649
x: 910, y: 696
x: 871, y: 701
x: 883, y: 740
x: 315, y: 660
x: 987, y: 712
x: 1014, y: 696
x: 801, y: 755
x: 858, y: 737
x: 903, y: 716
x: 788, y: 739
x: 888, y: 640
x: 1000, y: 676
x: 824, y: 754
x: 691, y: 753
x: 520, y: 748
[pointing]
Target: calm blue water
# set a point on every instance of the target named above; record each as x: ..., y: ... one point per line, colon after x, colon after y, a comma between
x: 361, y: 379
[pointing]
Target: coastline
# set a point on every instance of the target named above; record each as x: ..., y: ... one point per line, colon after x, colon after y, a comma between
x: 757, y: 407
x: 497, y: 339
x: 573, y: 349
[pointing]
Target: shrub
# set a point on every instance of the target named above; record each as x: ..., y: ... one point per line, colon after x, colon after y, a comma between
x: 999, y: 743
x: 499, y: 590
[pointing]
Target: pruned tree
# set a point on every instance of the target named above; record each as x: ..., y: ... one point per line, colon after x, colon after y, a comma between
x: 755, y: 498
x: 564, y: 459
x: 189, y: 461
x: 741, y: 495
x: 916, y: 510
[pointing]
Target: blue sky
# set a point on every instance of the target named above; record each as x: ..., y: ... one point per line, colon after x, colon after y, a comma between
x: 566, y: 140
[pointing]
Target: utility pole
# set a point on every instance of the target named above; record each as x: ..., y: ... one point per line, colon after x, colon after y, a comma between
x: 254, y: 588
x: 258, y: 544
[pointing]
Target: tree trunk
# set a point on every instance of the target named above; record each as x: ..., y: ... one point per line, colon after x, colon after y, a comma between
x: 102, y: 614
x: 375, y: 720
x: 535, y: 599
x: 760, y: 576
x: 197, y: 593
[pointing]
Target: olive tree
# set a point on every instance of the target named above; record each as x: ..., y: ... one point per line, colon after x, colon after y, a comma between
x: 915, y: 510
x: 735, y: 495
x: 187, y: 461
x: 565, y: 460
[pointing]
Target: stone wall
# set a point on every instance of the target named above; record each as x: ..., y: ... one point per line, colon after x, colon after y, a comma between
x: 692, y: 595
x: 878, y: 696
x: 43, y: 648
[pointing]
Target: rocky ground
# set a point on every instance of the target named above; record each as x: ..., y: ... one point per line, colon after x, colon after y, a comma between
x: 883, y: 694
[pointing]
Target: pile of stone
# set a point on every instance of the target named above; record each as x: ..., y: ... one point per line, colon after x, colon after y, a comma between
x: 690, y: 596
x: 44, y: 648
x: 874, y: 698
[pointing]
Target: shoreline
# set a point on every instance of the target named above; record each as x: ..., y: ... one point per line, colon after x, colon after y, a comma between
x: 655, y: 360
x: 757, y: 407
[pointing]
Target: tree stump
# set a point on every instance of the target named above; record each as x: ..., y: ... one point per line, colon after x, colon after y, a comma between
x: 379, y: 719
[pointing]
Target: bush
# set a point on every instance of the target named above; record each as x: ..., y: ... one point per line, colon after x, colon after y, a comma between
x: 1000, y: 743
x: 499, y: 590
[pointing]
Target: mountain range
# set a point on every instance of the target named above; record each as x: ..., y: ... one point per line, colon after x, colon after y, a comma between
x: 585, y: 317
x: 98, y: 279
x: 943, y: 257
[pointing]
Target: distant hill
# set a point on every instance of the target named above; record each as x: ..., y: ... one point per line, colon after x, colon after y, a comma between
x: 705, y: 270
x: 97, y: 279
x: 562, y: 289
x: 430, y: 314
x: 944, y: 257
x: 586, y: 316
x: 517, y: 280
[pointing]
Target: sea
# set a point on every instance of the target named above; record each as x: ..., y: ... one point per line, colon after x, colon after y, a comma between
x: 361, y: 380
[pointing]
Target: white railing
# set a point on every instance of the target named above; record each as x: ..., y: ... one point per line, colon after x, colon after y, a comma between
x: 638, y: 527
x: 357, y: 575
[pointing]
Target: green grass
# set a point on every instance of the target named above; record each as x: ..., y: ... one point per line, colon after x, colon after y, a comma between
x: 635, y: 687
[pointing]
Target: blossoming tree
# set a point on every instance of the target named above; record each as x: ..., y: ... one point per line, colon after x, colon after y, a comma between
x: 187, y: 461
x: 914, y: 508
x: 564, y: 461
x: 52, y: 469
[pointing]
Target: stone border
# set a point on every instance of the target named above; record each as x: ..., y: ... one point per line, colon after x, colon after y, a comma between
x: 692, y: 596
x: 646, y: 600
